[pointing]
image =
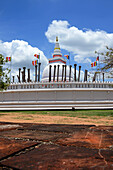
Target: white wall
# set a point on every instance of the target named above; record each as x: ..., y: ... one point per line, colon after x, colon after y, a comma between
x: 61, y: 94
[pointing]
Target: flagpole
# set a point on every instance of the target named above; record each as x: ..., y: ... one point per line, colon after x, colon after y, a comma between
x: 10, y: 68
x: 69, y: 58
x: 34, y: 71
x: 98, y: 66
x: 92, y: 71
x: 39, y: 57
x: 99, y: 69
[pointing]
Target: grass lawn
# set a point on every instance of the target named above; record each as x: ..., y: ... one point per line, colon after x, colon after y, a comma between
x: 69, y: 113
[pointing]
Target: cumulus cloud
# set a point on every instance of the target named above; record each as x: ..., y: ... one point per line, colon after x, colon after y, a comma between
x: 81, y: 59
x: 22, y: 55
x: 82, y: 43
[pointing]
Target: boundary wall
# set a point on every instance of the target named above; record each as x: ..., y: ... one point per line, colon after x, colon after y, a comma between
x: 56, y: 98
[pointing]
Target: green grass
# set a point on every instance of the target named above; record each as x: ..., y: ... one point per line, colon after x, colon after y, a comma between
x: 70, y: 113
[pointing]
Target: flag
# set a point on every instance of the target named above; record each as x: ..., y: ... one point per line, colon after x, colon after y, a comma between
x: 91, y: 64
x: 95, y: 63
x: 97, y: 58
x: 37, y: 56
x: 67, y: 56
x: 36, y: 62
x: 8, y: 59
x: 33, y: 63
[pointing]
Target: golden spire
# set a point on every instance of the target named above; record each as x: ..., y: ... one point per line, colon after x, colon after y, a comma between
x: 57, y: 47
x: 56, y: 39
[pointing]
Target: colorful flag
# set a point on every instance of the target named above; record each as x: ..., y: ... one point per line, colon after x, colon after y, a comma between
x: 97, y: 58
x: 36, y: 62
x: 8, y: 59
x: 91, y: 64
x: 67, y: 56
x: 95, y: 63
x: 33, y: 63
x: 37, y: 56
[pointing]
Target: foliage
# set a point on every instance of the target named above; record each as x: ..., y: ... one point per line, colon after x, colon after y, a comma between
x: 4, y: 79
x: 108, y: 60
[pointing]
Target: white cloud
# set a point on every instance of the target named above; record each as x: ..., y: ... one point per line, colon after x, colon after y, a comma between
x: 81, y: 59
x: 82, y: 43
x: 22, y: 55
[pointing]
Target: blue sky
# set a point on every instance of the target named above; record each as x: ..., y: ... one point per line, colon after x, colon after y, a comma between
x: 38, y: 22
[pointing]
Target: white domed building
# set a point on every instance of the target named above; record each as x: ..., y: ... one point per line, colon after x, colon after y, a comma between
x: 57, y: 70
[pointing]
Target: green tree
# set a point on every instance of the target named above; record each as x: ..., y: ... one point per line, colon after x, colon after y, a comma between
x: 107, y: 64
x: 4, y: 79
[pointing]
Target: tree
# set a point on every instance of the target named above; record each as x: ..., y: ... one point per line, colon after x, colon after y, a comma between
x: 107, y: 64
x: 4, y: 79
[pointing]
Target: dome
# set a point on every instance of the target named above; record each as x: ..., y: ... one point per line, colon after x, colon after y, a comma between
x: 45, y: 75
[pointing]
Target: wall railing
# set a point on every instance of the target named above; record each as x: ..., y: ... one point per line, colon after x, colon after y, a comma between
x: 38, y: 85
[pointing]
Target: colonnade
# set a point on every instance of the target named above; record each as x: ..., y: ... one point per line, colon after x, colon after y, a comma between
x: 64, y: 73
x: 22, y: 74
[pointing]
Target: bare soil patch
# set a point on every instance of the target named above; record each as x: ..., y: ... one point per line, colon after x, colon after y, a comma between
x: 55, y: 146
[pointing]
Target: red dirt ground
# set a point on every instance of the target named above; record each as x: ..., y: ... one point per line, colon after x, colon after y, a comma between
x: 55, y: 146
